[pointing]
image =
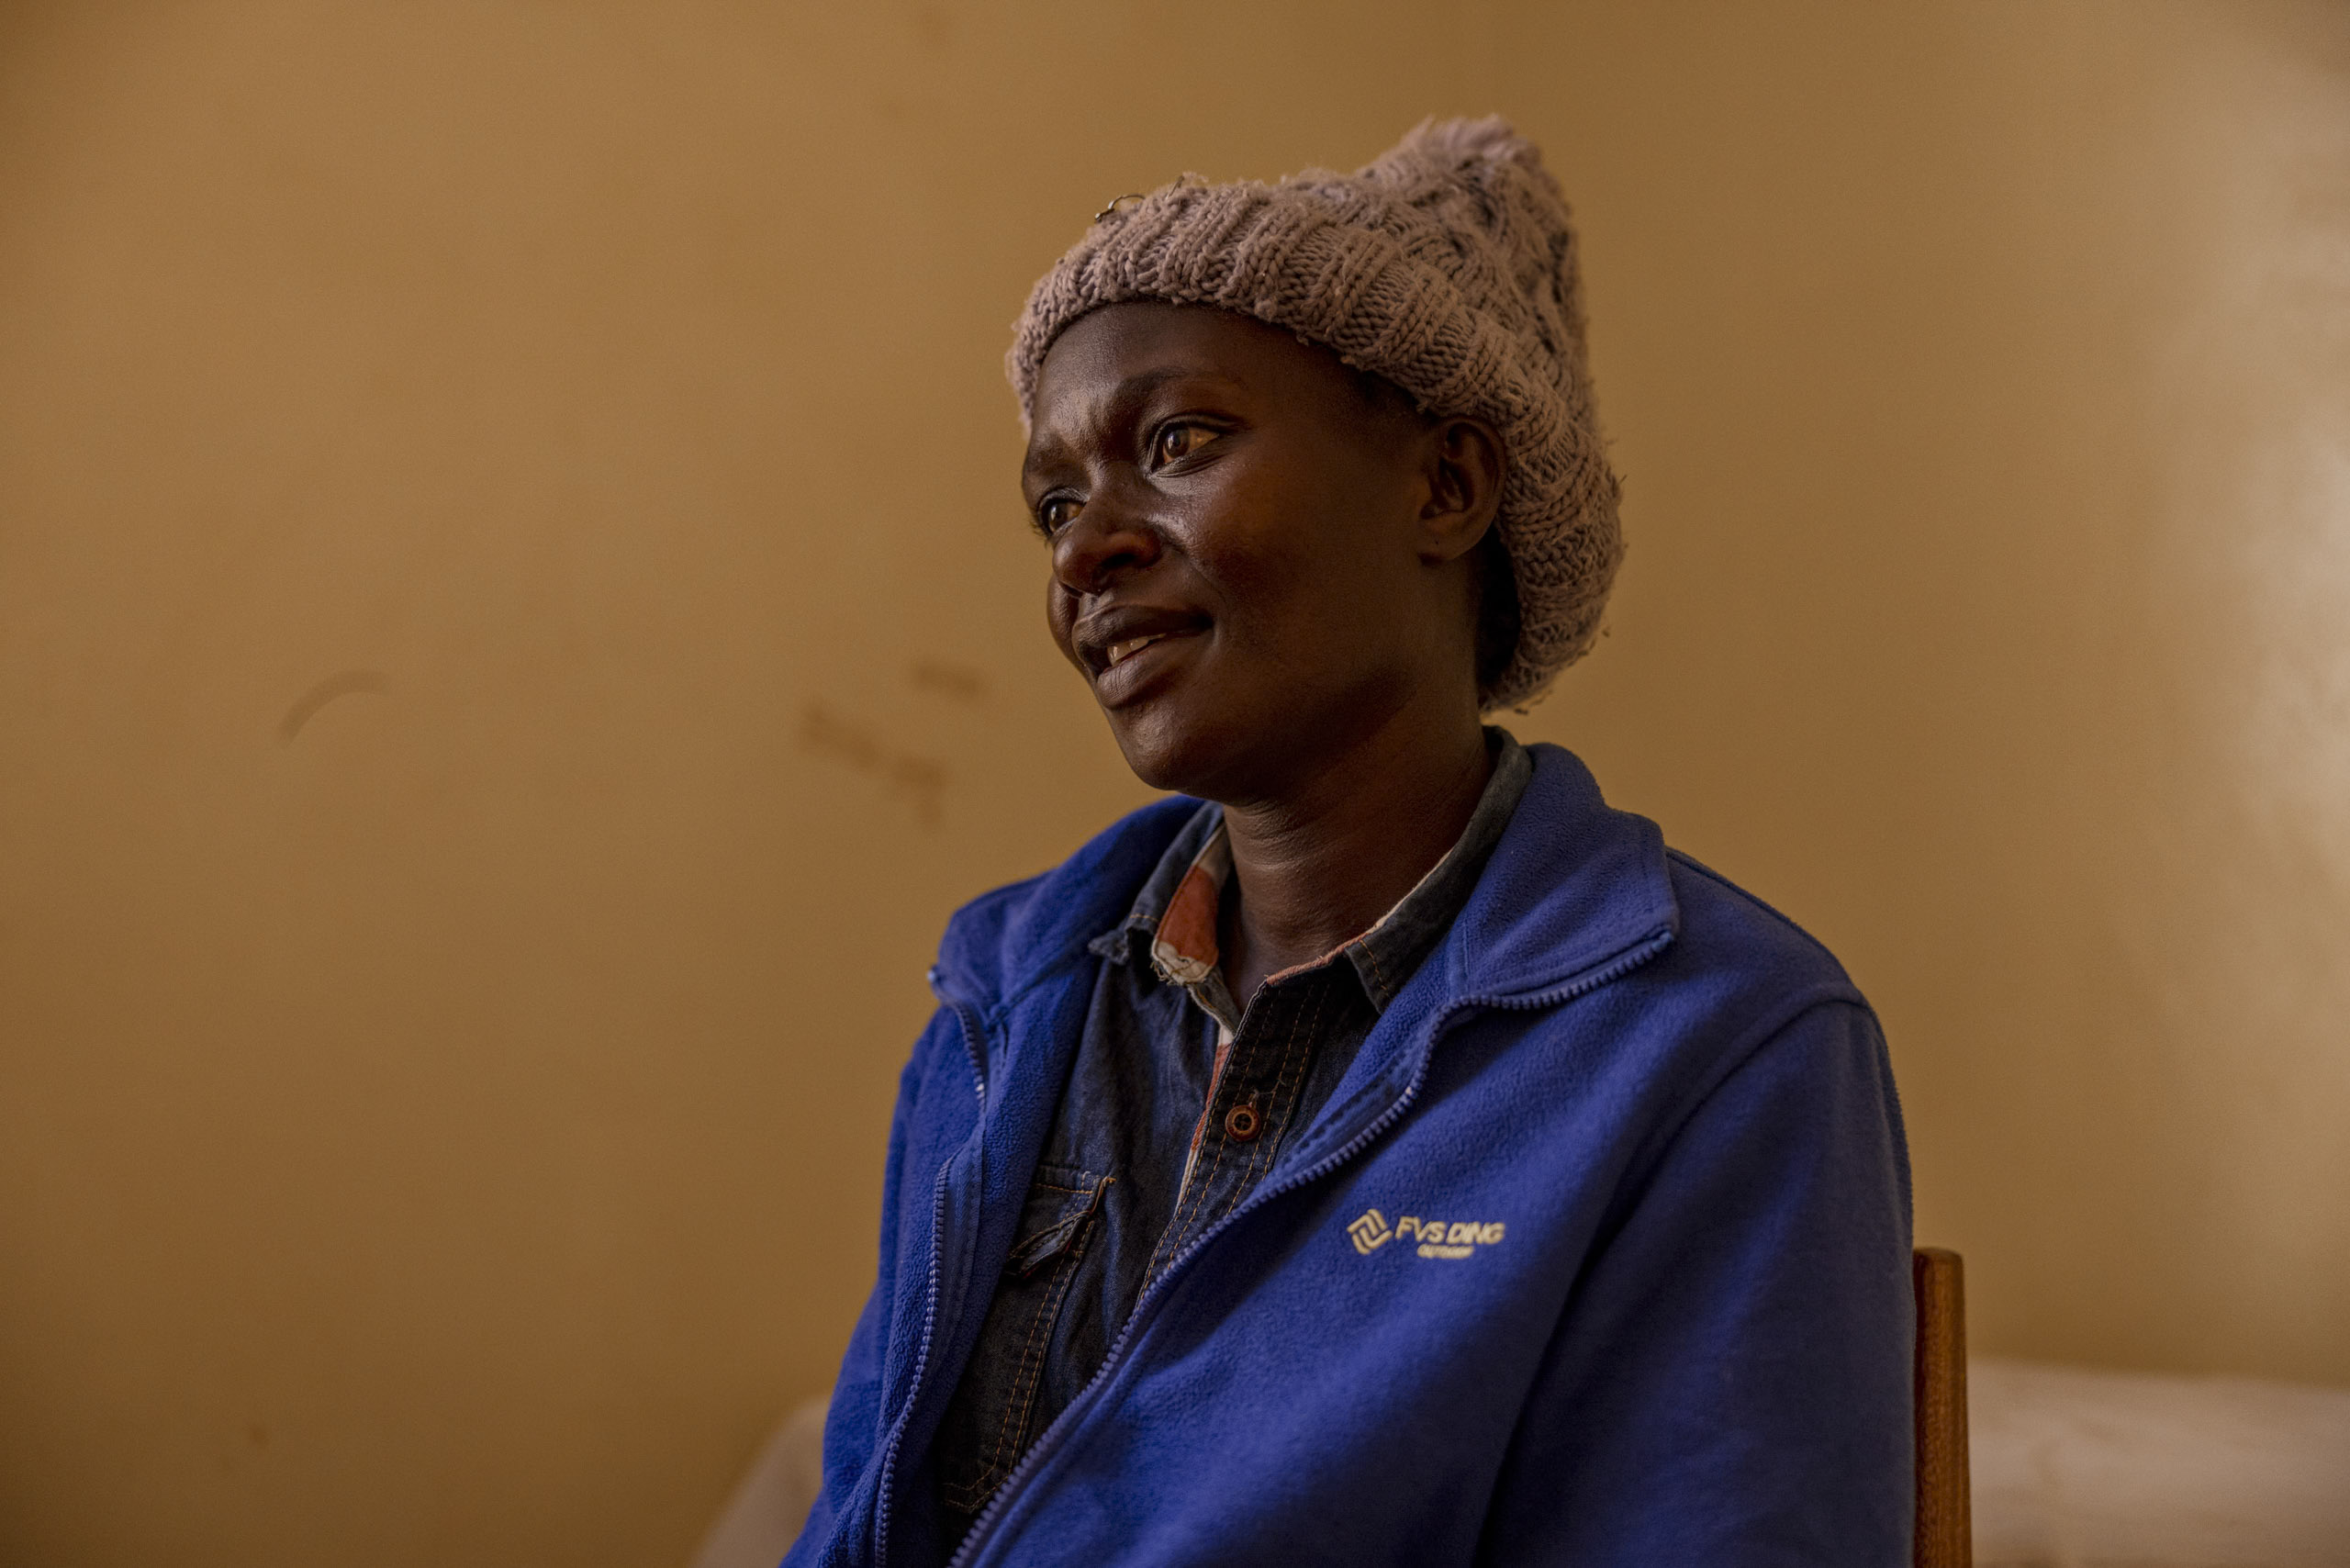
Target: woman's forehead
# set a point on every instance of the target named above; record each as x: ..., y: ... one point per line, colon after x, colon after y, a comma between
x: 1145, y: 337
x: 1114, y: 359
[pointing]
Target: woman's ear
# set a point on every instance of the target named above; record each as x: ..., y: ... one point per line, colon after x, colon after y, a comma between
x: 1465, y: 463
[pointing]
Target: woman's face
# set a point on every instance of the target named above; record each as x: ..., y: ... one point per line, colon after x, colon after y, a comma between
x: 1243, y: 565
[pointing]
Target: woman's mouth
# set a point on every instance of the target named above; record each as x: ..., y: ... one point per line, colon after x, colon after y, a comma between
x: 1129, y: 667
x: 1112, y: 638
x: 1119, y: 652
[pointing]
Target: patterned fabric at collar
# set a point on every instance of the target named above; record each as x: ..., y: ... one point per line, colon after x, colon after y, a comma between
x: 1178, y: 908
x: 1177, y: 862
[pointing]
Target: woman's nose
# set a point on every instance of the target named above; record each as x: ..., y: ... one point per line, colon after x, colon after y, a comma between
x: 1107, y: 539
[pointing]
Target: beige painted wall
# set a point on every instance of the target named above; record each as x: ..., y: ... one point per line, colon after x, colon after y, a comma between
x: 441, y: 1122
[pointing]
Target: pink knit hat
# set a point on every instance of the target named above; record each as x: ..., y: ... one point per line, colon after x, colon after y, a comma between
x: 1446, y: 266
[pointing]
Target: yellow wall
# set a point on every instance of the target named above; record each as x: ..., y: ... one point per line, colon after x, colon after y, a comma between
x: 441, y: 1124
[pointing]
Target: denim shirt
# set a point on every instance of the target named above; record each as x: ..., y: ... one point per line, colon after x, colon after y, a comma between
x: 1176, y: 1107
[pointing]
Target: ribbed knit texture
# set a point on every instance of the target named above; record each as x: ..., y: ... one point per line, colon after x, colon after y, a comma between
x: 1447, y: 265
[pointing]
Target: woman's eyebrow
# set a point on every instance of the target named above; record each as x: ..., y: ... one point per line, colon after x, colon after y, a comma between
x: 1143, y: 383
x: 1133, y: 389
x: 1120, y: 401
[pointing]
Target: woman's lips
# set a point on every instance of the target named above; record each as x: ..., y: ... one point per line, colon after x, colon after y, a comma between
x: 1136, y: 662
x: 1121, y: 652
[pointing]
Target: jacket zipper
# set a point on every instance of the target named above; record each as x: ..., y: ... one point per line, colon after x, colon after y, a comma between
x: 975, y: 1034
x: 1151, y: 1296
x: 974, y: 1043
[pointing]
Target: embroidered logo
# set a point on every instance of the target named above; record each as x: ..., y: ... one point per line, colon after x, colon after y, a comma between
x: 1438, y: 1239
x: 1369, y: 1233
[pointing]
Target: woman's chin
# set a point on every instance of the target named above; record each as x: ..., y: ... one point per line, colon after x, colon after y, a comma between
x: 1166, y: 753
x: 1174, y: 749
x: 1157, y: 764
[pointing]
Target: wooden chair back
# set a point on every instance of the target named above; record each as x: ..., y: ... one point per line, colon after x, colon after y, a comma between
x: 1944, y: 1533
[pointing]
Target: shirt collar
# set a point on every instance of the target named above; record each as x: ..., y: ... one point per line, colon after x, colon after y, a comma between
x: 1176, y: 912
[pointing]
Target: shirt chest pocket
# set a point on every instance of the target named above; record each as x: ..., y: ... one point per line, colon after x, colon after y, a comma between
x: 989, y: 1420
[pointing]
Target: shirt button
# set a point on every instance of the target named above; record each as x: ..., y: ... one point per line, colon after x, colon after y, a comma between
x: 1241, y: 1124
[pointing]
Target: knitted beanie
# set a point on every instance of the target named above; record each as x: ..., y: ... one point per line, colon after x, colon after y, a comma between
x: 1446, y: 266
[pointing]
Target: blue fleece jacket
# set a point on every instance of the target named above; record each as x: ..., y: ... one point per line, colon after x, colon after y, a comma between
x: 1599, y: 1254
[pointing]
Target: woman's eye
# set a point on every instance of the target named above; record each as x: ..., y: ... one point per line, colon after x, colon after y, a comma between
x: 1056, y: 514
x: 1178, y: 441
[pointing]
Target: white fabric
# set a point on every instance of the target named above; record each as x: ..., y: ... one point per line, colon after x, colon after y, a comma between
x: 2082, y: 1468
x: 772, y: 1502
x: 2072, y: 1469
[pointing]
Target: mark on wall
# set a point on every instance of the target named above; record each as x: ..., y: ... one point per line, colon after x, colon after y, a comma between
x: 920, y: 779
x: 341, y: 684
x: 960, y: 682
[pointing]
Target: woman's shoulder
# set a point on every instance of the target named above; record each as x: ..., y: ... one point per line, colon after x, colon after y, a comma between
x: 1578, y: 875
x: 1726, y: 925
x: 1671, y: 971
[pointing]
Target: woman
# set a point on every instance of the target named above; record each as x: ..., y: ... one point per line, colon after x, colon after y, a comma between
x: 1381, y: 1150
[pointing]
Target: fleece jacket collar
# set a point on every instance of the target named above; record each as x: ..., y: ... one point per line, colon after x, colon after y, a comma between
x: 1571, y: 887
